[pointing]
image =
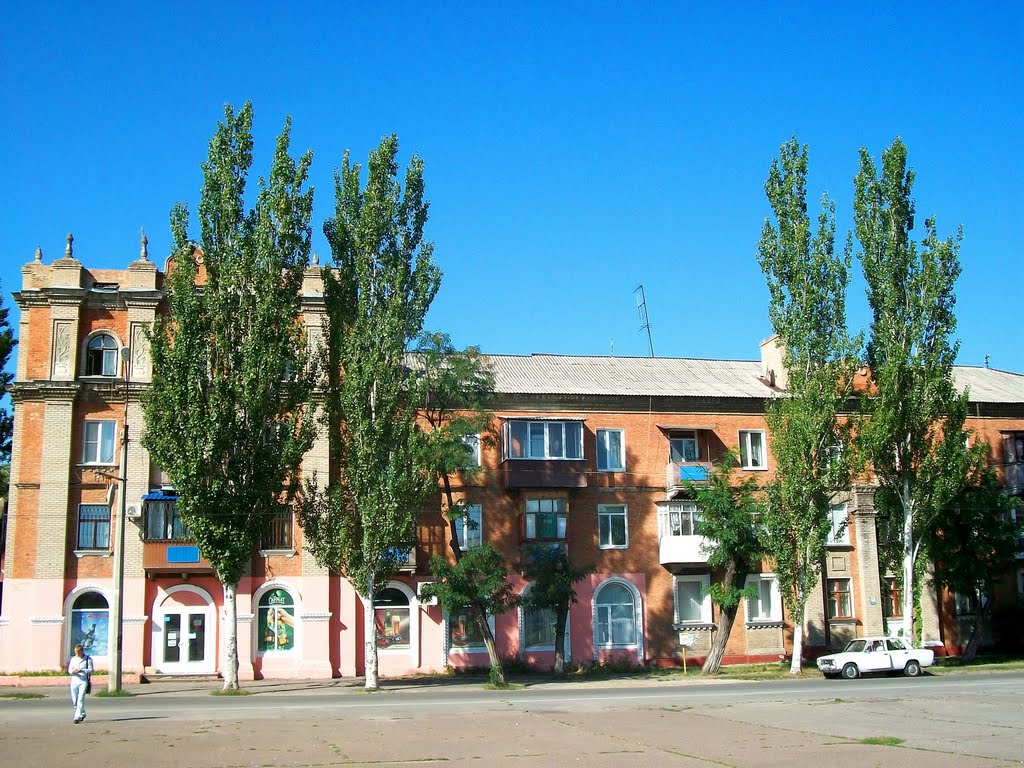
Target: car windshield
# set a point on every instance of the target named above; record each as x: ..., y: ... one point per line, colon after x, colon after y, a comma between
x: 854, y: 646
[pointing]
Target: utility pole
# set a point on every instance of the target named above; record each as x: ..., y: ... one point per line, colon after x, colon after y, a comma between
x: 117, y: 618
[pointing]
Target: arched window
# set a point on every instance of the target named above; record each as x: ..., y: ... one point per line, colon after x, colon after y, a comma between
x: 90, y: 622
x: 616, y: 617
x: 101, y: 356
x: 391, y: 614
x: 275, y: 630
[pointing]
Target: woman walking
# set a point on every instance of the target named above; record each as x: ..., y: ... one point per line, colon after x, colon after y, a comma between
x: 80, y: 670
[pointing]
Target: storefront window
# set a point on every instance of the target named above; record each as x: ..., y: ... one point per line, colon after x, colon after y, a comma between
x: 276, y: 617
x: 90, y: 617
x: 463, y: 631
x: 391, y: 613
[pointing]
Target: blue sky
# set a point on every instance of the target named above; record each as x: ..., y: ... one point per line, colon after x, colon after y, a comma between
x: 573, y: 150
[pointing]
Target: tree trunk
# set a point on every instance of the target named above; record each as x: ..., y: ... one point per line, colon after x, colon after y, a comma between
x: 479, y: 614
x: 908, y: 563
x: 732, y: 579
x: 796, y: 664
x: 560, y: 618
x: 981, y: 619
x: 230, y: 638
x: 370, y: 644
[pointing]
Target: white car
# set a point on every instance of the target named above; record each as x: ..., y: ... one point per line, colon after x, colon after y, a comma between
x: 876, y: 654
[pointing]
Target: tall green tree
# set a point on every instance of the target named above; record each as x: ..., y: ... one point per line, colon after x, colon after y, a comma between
x: 377, y: 296
x: 458, y: 385
x: 974, y: 542
x: 807, y: 282
x: 229, y: 415
x: 553, y: 588
x: 914, y: 435
x: 730, y: 515
x: 7, y: 344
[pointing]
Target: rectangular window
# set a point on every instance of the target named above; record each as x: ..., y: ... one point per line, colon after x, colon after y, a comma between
x: 93, y: 526
x: 544, y: 520
x: 681, y: 519
x: 463, y: 632
x: 752, y: 449
x: 610, y: 454
x: 682, y: 447
x: 472, y: 443
x: 543, y: 440
x: 99, y: 442
x: 472, y: 527
x: 278, y: 535
x: 766, y: 604
x: 612, y: 529
x: 892, y: 598
x: 966, y: 603
x: 163, y: 523
x: 839, y: 535
x: 539, y: 628
x: 693, y: 599
x: 839, y: 604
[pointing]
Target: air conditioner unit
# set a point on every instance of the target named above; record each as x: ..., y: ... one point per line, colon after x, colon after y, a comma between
x: 133, y: 513
x: 419, y: 594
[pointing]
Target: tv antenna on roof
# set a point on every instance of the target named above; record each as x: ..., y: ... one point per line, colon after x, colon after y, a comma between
x: 641, y: 308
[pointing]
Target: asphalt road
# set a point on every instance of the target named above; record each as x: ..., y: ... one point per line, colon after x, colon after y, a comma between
x: 964, y: 719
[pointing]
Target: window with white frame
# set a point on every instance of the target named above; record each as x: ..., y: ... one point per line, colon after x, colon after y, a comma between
x: 612, y: 527
x: 101, y: 356
x: 611, y: 454
x: 682, y: 447
x: 545, y: 520
x: 472, y: 526
x: 391, y: 614
x: 543, y: 439
x: 93, y: 526
x: 839, y: 533
x: 682, y: 518
x: 766, y: 603
x: 98, y: 442
x: 752, y: 449
x: 472, y: 443
x: 616, y: 616
x: 693, y: 599
x: 463, y: 633
x: 840, y: 603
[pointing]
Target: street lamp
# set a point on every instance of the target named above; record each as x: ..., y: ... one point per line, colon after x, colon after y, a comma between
x: 114, y: 680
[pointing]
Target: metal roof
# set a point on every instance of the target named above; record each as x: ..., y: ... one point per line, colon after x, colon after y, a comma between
x: 988, y: 385
x: 627, y: 376
x: 687, y: 377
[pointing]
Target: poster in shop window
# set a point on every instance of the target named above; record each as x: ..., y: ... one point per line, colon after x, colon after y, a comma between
x: 90, y: 628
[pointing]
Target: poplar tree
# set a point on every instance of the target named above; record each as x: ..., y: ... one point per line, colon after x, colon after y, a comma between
x: 914, y: 435
x: 807, y: 282
x: 458, y: 384
x: 376, y: 297
x: 729, y: 519
x: 229, y: 414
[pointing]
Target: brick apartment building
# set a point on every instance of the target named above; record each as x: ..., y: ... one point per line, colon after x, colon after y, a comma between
x: 586, y: 453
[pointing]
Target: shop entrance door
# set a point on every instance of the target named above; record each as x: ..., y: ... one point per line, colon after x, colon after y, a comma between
x: 184, y: 638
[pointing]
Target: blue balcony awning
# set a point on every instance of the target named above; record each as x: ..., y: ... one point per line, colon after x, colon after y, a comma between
x: 159, y: 496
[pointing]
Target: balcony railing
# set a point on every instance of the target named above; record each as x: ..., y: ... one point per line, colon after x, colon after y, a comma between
x: 678, y: 544
x: 544, y: 473
x: 678, y: 473
x: 164, y: 556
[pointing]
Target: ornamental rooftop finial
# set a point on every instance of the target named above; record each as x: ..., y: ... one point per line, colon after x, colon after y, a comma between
x: 144, y: 251
x: 316, y: 259
x: 39, y: 254
x: 69, y: 249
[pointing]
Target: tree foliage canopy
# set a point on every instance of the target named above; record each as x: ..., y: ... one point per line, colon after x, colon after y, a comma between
x: 228, y: 416
x: 7, y: 344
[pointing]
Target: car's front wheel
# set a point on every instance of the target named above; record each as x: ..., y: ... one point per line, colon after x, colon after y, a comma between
x: 850, y: 671
x: 913, y: 669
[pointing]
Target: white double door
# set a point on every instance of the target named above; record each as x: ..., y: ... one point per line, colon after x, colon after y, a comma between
x: 184, y: 638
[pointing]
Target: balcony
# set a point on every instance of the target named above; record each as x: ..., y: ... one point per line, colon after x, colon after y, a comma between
x: 679, y: 544
x: 167, y: 556
x: 527, y: 550
x: 407, y: 555
x: 678, y: 473
x: 544, y: 473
